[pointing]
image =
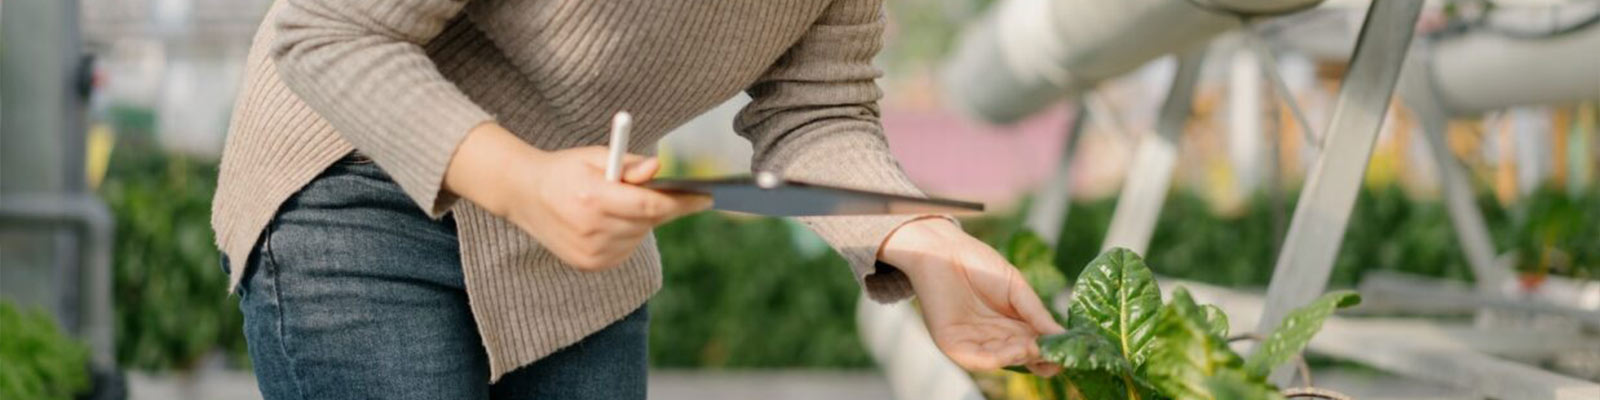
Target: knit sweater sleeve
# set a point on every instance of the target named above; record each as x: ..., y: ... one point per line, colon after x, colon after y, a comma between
x: 814, y: 117
x: 360, y: 65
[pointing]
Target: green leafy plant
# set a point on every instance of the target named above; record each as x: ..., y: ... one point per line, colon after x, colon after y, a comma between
x: 1556, y: 233
x: 1123, y: 342
x: 37, y: 360
x: 172, y: 305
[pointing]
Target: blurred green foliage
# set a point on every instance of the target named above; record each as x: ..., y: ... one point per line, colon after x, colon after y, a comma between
x: 1555, y: 233
x: 754, y: 293
x: 37, y: 360
x: 1388, y: 231
x: 172, y: 305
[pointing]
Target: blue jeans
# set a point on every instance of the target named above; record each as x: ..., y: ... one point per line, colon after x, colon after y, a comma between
x: 354, y: 293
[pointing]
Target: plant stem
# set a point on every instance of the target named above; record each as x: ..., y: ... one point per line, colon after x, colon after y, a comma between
x: 1133, y: 391
x: 1299, y: 360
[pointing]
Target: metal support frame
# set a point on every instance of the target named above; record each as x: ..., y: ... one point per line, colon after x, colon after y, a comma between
x: 1054, y: 198
x: 1269, y: 66
x: 1324, y: 207
x: 1144, y: 189
x: 1472, y: 233
x: 91, y: 222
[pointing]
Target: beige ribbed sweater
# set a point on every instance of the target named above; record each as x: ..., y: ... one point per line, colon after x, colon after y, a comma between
x: 404, y: 80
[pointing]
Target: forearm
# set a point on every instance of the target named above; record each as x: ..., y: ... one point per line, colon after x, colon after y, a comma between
x: 478, y: 167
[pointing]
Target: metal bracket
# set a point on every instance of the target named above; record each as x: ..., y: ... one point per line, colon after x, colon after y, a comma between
x: 1323, y: 211
x: 92, y: 222
x: 1054, y: 198
x: 1144, y: 190
x: 1472, y: 233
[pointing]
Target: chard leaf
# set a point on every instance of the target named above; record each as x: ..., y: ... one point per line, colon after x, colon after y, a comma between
x: 1234, y: 385
x: 1083, y: 349
x: 1117, y: 295
x: 1296, y: 331
x: 1036, y: 260
x: 1187, y: 352
x: 1216, y: 320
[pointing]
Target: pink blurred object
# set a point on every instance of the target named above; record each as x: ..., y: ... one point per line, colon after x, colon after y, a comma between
x: 949, y: 155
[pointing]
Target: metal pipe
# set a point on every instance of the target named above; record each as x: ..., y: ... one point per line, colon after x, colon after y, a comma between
x: 92, y: 223
x: 1483, y: 71
x: 1026, y: 54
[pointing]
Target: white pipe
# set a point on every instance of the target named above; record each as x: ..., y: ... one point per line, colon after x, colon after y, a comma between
x: 1026, y: 54
x: 915, y: 367
x: 1485, y: 71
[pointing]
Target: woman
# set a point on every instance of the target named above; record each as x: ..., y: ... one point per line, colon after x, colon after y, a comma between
x: 412, y: 205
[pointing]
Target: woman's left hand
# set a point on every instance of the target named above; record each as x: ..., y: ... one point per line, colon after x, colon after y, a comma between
x: 978, y: 308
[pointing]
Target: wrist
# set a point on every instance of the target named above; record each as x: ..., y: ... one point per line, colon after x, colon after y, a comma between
x: 486, y: 163
x: 911, y: 246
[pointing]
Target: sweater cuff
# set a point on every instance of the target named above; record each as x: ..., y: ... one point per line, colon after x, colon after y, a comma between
x: 857, y: 239
x: 424, y: 159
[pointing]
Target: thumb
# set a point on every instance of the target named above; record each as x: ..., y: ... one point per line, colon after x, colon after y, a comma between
x: 640, y: 171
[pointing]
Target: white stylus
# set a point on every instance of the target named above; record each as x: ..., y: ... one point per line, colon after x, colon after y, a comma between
x: 621, y: 125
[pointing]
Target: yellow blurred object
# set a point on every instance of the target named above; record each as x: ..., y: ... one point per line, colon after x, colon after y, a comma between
x: 674, y: 165
x: 1582, y: 163
x: 97, y: 155
x: 1384, y: 168
x: 1505, y: 174
x: 1561, y: 122
x: 1223, y: 188
x: 669, y: 162
x: 1021, y: 386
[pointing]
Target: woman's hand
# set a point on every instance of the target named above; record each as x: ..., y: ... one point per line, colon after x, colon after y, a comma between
x: 978, y: 308
x: 562, y: 198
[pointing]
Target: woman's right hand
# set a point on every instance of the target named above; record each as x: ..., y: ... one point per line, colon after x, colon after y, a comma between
x: 562, y: 198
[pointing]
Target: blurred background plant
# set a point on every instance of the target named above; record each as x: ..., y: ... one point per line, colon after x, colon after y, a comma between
x: 1388, y: 230
x: 37, y: 360
x: 172, y: 304
x: 752, y: 293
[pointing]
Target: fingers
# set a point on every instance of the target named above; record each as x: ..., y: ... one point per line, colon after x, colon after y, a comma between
x: 1044, y: 368
x: 608, y: 243
x: 989, y: 353
x: 641, y: 170
x: 971, y: 356
x: 596, y: 156
x: 627, y: 201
